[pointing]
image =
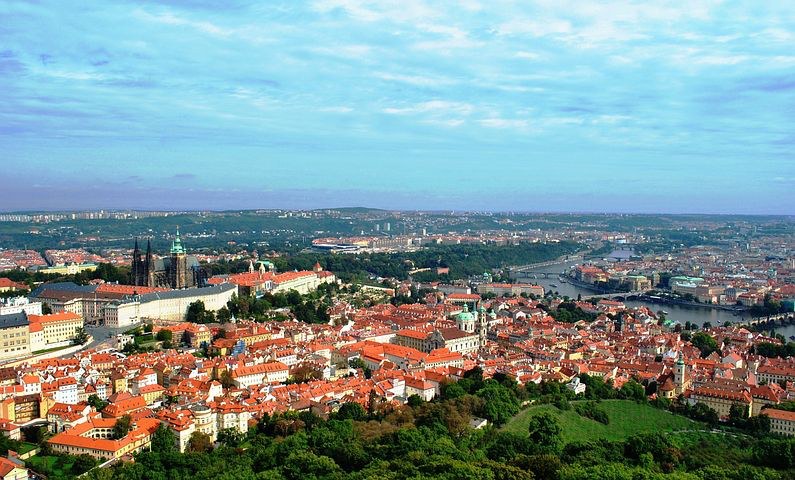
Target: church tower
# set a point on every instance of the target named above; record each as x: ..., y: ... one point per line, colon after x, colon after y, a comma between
x: 179, y: 264
x: 681, y: 381
x: 149, y: 268
x: 482, y: 323
x: 137, y: 266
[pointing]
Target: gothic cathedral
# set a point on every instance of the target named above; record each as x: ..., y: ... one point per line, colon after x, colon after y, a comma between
x: 178, y: 270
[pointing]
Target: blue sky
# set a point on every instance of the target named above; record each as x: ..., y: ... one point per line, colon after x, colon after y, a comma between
x: 489, y: 105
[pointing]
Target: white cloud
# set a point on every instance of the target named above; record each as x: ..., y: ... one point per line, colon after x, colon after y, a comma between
x: 496, y: 122
x: 534, y: 27
x: 451, y: 38
x: 401, y: 11
x: 527, y: 55
x: 344, y: 51
x: 433, y: 107
x: 417, y: 80
x: 171, y: 19
x: 719, y: 59
x: 339, y: 109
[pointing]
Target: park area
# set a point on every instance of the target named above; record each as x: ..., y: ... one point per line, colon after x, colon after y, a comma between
x: 627, y: 418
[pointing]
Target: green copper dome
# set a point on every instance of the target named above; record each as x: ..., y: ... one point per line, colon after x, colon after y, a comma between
x: 465, y: 316
x: 176, y: 245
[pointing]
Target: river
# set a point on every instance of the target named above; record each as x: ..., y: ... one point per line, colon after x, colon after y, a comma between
x: 679, y: 313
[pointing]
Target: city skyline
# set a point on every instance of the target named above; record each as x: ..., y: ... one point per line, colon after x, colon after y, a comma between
x: 557, y: 106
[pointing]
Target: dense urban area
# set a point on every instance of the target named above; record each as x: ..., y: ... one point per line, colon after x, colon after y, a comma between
x: 363, y: 343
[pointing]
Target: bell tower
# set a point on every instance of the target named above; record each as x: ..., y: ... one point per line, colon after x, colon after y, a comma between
x: 179, y: 264
x: 681, y: 381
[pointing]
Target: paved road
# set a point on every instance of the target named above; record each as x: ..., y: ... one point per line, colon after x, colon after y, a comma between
x: 103, y: 336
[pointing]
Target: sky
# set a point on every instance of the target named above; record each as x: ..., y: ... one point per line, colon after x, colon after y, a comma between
x: 551, y: 105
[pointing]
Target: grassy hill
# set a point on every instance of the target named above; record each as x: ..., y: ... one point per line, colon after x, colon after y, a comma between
x: 626, y: 419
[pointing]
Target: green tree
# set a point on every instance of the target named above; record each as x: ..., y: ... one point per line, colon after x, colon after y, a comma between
x: 500, y: 403
x: 223, y: 315
x: 122, y: 426
x: 197, y: 313
x: 163, y: 440
x: 231, y: 437
x: 704, y: 342
x: 351, y: 410
x: 632, y: 390
x: 96, y: 402
x: 304, y: 465
x: 83, y: 463
x: 199, y: 442
x: 545, y: 431
x: 164, y: 335
x: 81, y: 336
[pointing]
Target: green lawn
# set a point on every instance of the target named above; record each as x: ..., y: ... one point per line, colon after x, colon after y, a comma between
x: 25, y: 447
x: 48, y: 350
x: 626, y: 419
x: 51, y: 465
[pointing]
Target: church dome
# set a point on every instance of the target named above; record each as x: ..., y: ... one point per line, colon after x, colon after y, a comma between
x: 465, y: 316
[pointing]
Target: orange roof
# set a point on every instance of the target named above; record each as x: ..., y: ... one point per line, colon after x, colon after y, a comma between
x: 290, y: 276
x: 463, y: 296
x: 74, y: 437
x: 55, y: 317
x: 121, y: 407
x: 7, y: 466
x: 127, y: 289
x: 151, y: 389
x: 779, y: 414
x: 413, y: 334
x: 8, y: 283
x: 261, y: 368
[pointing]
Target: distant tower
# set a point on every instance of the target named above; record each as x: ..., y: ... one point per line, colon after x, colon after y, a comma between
x: 179, y: 264
x: 317, y: 268
x: 149, y: 267
x: 482, y: 321
x: 137, y: 266
x: 681, y: 381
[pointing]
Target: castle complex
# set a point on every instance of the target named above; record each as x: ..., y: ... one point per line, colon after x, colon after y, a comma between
x: 178, y: 270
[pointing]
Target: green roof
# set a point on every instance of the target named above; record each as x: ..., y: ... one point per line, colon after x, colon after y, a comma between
x: 176, y: 245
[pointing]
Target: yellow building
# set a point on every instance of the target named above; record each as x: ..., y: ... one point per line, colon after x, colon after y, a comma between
x: 14, y: 335
x: 70, y: 269
x: 59, y: 329
x: 95, y: 438
x: 782, y: 422
x: 721, y: 400
x: 12, y: 468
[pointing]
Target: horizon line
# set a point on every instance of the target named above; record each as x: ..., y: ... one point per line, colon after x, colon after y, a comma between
x: 387, y: 210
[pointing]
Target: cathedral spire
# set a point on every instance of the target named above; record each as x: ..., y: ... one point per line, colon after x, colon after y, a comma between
x: 176, y: 245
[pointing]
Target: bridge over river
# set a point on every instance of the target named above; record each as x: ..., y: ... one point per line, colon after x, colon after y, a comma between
x: 771, y: 321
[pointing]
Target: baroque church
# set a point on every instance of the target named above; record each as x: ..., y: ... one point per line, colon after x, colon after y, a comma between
x: 178, y: 270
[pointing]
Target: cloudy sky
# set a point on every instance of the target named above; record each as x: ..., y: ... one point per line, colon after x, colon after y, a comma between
x: 491, y: 105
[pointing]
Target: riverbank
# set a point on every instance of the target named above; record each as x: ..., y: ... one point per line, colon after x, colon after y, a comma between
x: 664, y: 300
x: 675, y: 301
